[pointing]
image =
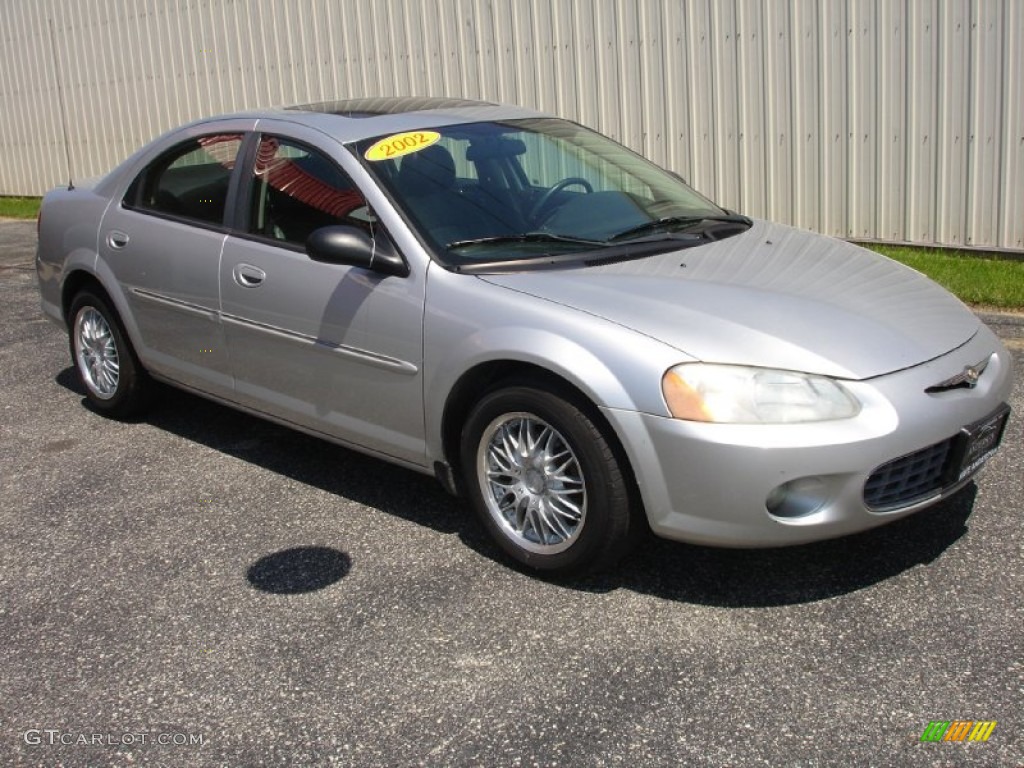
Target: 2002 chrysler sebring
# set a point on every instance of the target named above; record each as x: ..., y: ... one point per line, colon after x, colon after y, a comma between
x: 561, y: 331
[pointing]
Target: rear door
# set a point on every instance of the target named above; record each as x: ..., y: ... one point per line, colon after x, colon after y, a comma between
x: 333, y: 348
x: 163, y: 242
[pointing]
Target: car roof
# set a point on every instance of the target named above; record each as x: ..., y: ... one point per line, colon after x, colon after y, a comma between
x: 355, y: 119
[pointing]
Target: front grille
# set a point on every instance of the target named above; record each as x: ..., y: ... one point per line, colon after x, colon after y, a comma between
x: 908, y: 479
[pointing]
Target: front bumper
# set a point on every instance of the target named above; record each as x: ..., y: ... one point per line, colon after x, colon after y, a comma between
x: 711, y: 483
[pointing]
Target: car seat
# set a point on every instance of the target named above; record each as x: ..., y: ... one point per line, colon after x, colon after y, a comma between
x: 426, y: 180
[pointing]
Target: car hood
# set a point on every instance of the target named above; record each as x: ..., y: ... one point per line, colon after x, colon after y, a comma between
x: 773, y: 296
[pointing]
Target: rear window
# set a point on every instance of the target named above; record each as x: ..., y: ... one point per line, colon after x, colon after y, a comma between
x: 190, y: 181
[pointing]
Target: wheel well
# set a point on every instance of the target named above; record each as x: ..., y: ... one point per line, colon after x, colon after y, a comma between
x: 73, y: 284
x: 487, y: 377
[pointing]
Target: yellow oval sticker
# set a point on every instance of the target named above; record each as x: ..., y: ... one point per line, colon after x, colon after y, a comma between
x: 401, y: 144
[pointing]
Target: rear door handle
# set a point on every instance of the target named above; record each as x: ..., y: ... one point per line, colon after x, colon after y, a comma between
x: 248, y: 276
x: 117, y: 239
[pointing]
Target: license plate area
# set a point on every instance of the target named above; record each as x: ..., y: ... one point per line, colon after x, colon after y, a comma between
x: 975, y: 445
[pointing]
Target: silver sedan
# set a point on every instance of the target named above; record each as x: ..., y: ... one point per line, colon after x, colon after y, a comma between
x: 560, y: 331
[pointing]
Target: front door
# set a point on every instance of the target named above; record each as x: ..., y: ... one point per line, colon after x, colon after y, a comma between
x: 333, y: 348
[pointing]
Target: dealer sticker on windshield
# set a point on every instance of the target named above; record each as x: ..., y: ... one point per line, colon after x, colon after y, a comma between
x: 400, y: 144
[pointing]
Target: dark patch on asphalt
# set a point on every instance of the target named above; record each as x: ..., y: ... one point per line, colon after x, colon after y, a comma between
x: 298, y: 570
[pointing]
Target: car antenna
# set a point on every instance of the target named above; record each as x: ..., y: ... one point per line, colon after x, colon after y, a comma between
x: 60, y: 99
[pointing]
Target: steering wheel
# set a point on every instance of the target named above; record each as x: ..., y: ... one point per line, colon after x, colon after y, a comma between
x: 549, y: 194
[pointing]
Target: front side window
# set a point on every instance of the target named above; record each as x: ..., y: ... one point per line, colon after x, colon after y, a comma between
x: 296, y: 190
x: 190, y: 181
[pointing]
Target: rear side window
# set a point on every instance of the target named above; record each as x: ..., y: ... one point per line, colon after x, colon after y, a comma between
x: 190, y: 181
x: 296, y: 190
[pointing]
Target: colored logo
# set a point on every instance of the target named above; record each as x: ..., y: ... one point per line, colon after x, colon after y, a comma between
x: 958, y: 730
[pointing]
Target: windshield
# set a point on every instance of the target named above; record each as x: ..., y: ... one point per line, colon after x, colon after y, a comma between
x: 521, y: 190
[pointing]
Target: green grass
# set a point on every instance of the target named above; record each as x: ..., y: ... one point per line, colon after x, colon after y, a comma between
x: 974, y: 278
x: 19, y: 207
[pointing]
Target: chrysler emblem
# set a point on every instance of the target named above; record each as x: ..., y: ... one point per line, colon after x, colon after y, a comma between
x: 968, y: 379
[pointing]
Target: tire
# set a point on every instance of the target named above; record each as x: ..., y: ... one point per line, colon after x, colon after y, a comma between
x: 546, y: 481
x: 114, y: 381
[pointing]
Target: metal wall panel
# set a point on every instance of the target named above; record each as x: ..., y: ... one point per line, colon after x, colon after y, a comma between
x: 1011, y: 167
x: 893, y: 120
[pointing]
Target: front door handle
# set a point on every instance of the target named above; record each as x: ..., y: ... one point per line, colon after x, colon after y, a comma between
x: 248, y: 276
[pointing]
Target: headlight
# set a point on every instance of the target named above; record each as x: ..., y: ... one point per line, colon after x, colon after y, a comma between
x: 734, y: 394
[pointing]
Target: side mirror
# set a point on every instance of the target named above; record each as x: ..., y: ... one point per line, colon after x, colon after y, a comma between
x: 343, y: 244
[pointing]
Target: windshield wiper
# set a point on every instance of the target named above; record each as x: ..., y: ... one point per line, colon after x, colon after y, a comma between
x: 679, y: 222
x: 526, y: 237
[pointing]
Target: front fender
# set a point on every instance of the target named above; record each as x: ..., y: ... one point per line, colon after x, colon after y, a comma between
x: 614, y: 367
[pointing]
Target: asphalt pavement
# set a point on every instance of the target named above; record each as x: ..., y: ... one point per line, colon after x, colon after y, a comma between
x: 202, y: 588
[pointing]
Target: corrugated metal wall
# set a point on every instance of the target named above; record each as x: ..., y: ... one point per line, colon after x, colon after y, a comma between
x: 897, y: 120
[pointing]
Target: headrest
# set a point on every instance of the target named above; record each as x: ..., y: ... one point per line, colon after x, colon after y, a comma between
x: 428, y: 171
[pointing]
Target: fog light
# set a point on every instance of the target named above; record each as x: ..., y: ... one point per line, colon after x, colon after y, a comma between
x: 797, y: 498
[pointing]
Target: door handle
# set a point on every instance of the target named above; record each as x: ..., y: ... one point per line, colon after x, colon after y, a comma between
x: 248, y: 276
x: 117, y: 239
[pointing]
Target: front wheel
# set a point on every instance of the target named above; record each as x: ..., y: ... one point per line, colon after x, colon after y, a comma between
x: 546, y: 481
x: 114, y: 381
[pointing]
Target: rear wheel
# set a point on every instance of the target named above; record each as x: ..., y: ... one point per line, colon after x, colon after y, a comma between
x: 546, y: 481
x: 104, y: 360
